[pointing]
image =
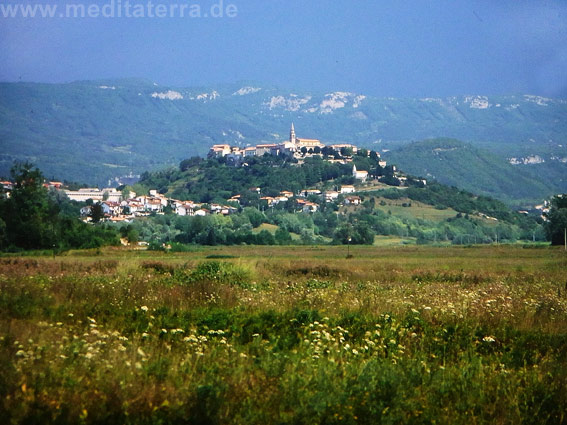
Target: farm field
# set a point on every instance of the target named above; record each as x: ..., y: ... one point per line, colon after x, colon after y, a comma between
x: 407, y: 208
x: 286, y: 335
x: 415, y: 209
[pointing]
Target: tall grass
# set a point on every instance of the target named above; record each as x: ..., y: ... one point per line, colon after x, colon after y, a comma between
x: 413, y: 335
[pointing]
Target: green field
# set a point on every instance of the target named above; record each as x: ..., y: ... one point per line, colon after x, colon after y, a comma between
x: 392, y: 241
x: 286, y: 335
x: 414, y: 209
x: 406, y: 208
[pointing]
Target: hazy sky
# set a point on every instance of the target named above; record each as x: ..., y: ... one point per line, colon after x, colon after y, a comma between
x: 376, y: 47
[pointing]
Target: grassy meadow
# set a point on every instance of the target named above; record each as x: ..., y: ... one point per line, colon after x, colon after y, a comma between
x: 285, y: 335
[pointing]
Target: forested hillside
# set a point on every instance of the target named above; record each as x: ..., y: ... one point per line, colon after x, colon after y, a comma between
x: 460, y: 164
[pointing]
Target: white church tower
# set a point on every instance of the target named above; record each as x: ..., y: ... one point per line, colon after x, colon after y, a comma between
x: 292, y: 135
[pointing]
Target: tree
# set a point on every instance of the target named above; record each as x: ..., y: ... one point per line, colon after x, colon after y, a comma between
x: 212, y: 237
x: 264, y: 237
x: 125, y: 193
x: 343, y: 234
x: 328, y: 151
x: 140, y: 189
x: 282, y: 237
x: 191, y: 162
x: 97, y: 213
x: 33, y: 219
x: 256, y: 217
x: 363, y: 234
x: 130, y: 233
x: 3, y: 235
x: 28, y: 214
x: 557, y: 220
x: 359, y: 234
x: 378, y: 171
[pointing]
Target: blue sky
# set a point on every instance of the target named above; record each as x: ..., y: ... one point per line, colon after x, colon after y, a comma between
x: 376, y: 47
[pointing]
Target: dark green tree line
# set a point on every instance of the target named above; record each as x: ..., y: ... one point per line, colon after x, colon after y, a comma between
x: 33, y: 218
x: 557, y: 220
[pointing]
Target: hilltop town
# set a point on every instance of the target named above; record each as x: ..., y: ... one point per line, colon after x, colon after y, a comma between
x: 295, y: 148
x: 118, y: 205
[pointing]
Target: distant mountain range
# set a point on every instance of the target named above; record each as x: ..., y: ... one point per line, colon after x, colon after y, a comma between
x: 93, y: 131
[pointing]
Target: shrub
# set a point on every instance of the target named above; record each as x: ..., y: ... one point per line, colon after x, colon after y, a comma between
x: 158, y: 267
x: 216, y: 271
x: 318, y: 284
x: 319, y: 271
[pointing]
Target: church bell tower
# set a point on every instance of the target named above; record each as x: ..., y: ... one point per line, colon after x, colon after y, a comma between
x: 292, y: 135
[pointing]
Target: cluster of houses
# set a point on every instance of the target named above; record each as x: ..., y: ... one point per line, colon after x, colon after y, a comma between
x: 7, y: 186
x: 116, y: 208
x: 295, y: 147
x: 301, y: 199
x: 123, y: 206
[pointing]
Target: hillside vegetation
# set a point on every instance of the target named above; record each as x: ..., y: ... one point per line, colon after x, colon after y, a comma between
x: 434, y: 213
x: 459, y: 164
